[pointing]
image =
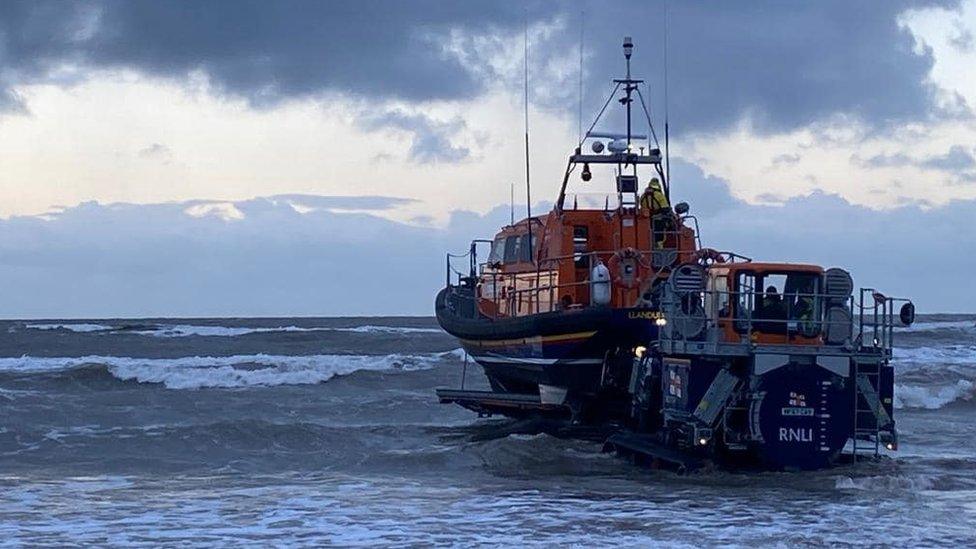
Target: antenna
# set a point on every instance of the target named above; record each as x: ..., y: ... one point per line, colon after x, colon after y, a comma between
x: 528, y: 185
x: 667, y: 148
x: 512, y: 201
x: 580, y: 124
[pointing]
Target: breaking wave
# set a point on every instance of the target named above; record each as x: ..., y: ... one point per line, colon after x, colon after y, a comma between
x: 956, y: 355
x: 934, y: 377
x: 227, y: 371
x: 79, y: 328
x: 955, y: 325
x: 369, y: 329
x: 187, y: 330
x: 933, y: 397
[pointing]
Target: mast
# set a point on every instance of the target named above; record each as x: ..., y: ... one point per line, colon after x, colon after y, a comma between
x: 528, y: 185
x: 512, y: 202
x: 667, y: 147
x: 580, y: 119
x: 628, y: 85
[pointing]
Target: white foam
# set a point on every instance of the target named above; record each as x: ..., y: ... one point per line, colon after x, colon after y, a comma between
x: 933, y: 397
x: 185, y: 330
x: 390, y: 329
x: 962, y: 325
x: 81, y: 328
x: 903, y: 483
x: 229, y: 371
x: 944, y: 355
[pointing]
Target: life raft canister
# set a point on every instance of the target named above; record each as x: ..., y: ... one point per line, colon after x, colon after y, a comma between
x: 625, y: 266
x: 600, y: 284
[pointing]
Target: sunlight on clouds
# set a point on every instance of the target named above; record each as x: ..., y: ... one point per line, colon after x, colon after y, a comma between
x: 840, y: 156
x: 225, y: 211
x: 927, y: 163
x: 119, y: 137
x: 952, y: 37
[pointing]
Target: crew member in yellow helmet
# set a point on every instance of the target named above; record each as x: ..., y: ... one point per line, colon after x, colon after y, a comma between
x: 654, y: 199
x: 656, y: 204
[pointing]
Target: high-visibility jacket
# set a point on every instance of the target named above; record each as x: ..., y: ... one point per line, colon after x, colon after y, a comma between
x: 654, y: 198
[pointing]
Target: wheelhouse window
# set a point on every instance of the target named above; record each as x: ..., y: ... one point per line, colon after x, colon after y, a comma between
x: 581, y: 238
x: 525, y: 248
x: 778, y: 302
x: 717, y: 299
x: 511, y: 249
x: 497, y: 254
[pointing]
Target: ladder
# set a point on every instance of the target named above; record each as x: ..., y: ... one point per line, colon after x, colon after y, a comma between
x: 870, y: 417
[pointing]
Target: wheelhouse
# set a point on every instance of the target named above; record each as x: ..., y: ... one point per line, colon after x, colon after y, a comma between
x: 767, y: 302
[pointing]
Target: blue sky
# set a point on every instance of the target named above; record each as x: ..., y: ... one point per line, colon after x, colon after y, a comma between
x: 319, y: 158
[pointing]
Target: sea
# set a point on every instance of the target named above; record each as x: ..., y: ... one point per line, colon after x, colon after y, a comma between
x: 326, y: 431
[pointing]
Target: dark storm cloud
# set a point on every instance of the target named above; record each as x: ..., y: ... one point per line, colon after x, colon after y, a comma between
x: 264, y: 51
x: 786, y: 63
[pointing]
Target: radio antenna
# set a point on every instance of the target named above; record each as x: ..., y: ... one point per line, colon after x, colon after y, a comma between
x: 667, y: 148
x: 528, y: 185
x: 580, y: 124
x: 512, y: 201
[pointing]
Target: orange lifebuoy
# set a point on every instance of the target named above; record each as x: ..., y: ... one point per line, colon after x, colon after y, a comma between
x: 620, y: 262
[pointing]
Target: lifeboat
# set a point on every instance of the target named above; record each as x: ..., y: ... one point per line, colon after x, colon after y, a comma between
x: 554, y: 300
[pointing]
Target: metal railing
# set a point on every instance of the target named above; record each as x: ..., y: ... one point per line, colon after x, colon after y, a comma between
x: 537, y: 290
x: 544, y: 282
x: 865, y: 321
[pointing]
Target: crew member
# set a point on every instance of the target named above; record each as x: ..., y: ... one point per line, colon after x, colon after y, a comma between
x: 654, y: 200
x: 773, y: 313
x: 656, y: 204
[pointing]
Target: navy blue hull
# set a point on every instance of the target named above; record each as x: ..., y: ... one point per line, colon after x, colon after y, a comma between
x: 563, y: 348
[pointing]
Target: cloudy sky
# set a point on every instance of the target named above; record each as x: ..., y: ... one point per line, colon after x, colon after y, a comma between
x: 318, y: 158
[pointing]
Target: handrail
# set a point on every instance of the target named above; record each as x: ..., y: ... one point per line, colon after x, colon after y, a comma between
x: 704, y: 307
x: 513, y: 294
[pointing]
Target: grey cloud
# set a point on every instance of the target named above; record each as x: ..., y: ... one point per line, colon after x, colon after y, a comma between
x: 432, y: 139
x: 885, y: 160
x: 343, y: 202
x: 786, y: 159
x: 962, y: 39
x: 11, y: 102
x: 893, y: 250
x: 958, y: 158
x: 786, y: 63
x: 154, y: 260
x: 155, y: 150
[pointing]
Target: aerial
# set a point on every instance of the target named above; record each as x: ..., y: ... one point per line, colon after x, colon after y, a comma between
x: 487, y: 273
